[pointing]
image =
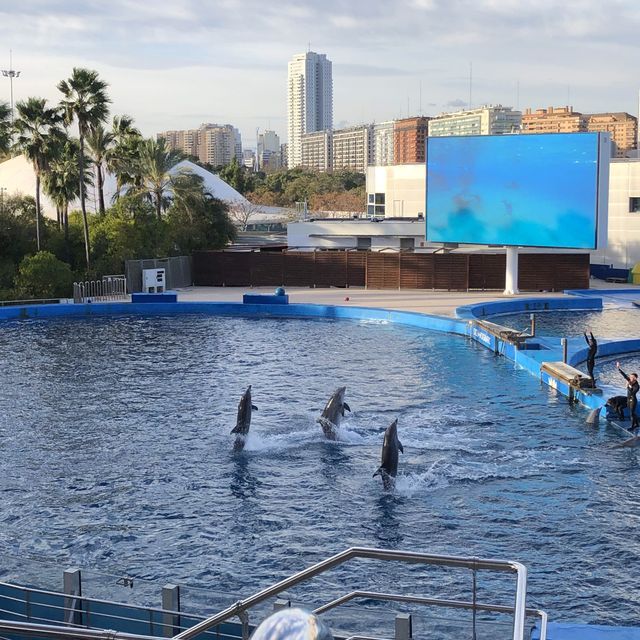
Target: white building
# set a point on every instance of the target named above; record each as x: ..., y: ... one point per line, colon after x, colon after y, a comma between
x: 309, y: 100
x: 268, y: 150
x: 487, y: 120
x: 382, y: 143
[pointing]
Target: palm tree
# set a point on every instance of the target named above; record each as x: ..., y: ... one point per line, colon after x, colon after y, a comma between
x: 153, y: 166
x: 38, y: 136
x: 5, y: 128
x: 86, y: 100
x: 99, y: 144
x: 122, y: 156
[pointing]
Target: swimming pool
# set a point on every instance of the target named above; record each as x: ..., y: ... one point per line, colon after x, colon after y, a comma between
x: 117, y: 457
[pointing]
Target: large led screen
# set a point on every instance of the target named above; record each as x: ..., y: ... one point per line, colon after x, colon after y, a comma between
x: 532, y: 190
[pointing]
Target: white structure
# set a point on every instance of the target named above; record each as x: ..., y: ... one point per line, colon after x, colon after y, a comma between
x: 396, y: 191
x: 309, y: 100
x: 268, y: 150
x: 623, y: 248
x: 488, y: 120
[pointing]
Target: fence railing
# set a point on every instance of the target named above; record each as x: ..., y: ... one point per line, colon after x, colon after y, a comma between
x: 109, y: 288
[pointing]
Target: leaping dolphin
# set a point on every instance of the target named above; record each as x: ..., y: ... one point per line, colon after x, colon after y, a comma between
x: 243, y: 421
x: 388, y: 468
x: 333, y: 411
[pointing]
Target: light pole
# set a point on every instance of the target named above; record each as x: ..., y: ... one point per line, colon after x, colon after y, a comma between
x: 11, y: 74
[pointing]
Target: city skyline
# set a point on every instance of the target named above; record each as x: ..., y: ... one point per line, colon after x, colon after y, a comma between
x: 175, y: 65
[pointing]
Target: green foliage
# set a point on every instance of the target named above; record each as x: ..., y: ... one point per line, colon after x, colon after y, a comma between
x: 5, y: 131
x: 42, y: 275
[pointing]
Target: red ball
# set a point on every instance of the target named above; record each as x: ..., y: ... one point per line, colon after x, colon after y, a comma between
x: 346, y: 299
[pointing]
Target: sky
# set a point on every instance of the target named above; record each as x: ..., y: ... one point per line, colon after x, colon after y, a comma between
x: 174, y: 65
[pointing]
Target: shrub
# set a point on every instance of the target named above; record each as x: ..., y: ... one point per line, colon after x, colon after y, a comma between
x: 44, y: 276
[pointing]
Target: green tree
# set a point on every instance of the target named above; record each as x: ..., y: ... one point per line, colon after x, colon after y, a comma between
x: 85, y: 100
x: 122, y: 157
x: 99, y: 142
x: 38, y: 137
x: 5, y: 128
x: 233, y: 175
x: 154, y: 164
x: 44, y: 276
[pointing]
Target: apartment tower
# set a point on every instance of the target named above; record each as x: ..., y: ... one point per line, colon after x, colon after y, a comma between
x: 310, y: 100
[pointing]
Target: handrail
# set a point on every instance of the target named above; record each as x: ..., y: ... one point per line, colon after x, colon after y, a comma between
x: 453, y: 604
x: 70, y: 633
x: 240, y: 607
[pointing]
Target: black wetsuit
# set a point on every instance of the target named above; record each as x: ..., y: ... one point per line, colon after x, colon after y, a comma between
x: 632, y: 401
x: 591, y: 356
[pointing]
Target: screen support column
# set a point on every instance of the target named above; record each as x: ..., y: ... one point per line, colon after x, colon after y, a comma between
x: 511, y: 273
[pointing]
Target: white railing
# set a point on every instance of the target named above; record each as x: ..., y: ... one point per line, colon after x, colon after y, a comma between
x: 105, y: 290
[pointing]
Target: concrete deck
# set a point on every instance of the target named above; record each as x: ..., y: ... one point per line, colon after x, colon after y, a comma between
x: 443, y: 303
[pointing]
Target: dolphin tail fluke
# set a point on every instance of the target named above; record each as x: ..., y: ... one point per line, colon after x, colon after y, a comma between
x: 253, y: 406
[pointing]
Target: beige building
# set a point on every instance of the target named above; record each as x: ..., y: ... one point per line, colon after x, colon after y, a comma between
x: 317, y: 150
x: 382, y: 136
x: 622, y: 126
x: 212, y: 143
x: 396, y: 191
x: 554, y: 120
x: 351, y: 149
x: 483, y: 121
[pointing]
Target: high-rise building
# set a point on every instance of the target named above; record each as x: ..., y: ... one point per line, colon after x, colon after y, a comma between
x: 622, y: 126
x: 351, y: 149
x: 185, y: 141
x: 483, y: 121
x: 382, y: 143
x: 310, y: 100
x: 316, y: 151
x: 409, y: 136
x: 268, y: 150
x: 554, y: 120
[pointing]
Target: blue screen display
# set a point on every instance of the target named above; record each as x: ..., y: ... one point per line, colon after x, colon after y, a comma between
x: 535, y: 190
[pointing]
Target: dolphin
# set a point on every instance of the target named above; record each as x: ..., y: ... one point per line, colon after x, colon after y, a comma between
x: 388, y: 468
x: 333, y: 411
x: 244, y: 419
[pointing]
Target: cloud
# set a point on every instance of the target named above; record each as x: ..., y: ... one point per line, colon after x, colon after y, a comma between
x: 457, y: 103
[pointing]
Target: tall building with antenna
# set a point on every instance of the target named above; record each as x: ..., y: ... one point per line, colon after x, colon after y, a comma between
x: 309, y: 100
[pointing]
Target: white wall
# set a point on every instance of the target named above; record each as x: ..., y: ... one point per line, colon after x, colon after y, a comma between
x: 404, y: 186
x: 343, y: 234
x: 623, y: 247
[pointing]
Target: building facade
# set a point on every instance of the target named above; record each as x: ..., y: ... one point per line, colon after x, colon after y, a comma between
x: 316, y: 151
x: 483, y: 121
x: 213, y: 143
x: 351, y: 149
x: 309, y: 100
x: 623, y: 128
x: 268, y: 151
x: 554, y: 120
x: 409, y: 138
x: 382, y: 143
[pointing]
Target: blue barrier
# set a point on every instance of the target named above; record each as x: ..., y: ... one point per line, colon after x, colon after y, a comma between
x: 523, y: 305
x: 167, y: 296
x: 251, y: 298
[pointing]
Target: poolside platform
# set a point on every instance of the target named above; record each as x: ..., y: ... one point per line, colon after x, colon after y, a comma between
x: 567, y: 631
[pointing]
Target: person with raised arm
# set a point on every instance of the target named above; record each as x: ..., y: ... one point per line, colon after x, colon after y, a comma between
x: 632, y: 389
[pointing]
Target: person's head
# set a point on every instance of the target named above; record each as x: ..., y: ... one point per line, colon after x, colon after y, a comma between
x: 634, y: 376
x: 292, y: 624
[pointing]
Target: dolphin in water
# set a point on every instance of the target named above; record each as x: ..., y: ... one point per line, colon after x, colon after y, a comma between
x: 333, y: 411
x: 388, y: 468
x: 244, y: 419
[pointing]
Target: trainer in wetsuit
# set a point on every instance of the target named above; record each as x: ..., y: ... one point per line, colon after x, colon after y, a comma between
x: 632, y: 389
x: 591, y: 356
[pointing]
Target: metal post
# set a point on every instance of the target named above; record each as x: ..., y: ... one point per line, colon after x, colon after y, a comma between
x: 171, y: 604
x: 404, y: 626
x: 280, y: 604
x: 72, y: 586
x: 533, y: 325
x: 564, y: 343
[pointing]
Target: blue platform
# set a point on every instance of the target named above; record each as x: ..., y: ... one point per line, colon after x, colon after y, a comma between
x: 253, y: 298
x: 565, y: 631
x: 146, y: 298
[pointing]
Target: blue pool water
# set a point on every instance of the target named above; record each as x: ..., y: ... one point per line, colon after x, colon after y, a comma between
x: 116, y: 456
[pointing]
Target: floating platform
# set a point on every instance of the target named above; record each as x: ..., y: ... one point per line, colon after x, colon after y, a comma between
x: 567, y: 631
x: 569, y: 375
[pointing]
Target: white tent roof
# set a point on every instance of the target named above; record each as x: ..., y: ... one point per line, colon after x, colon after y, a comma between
x: 17, y: 177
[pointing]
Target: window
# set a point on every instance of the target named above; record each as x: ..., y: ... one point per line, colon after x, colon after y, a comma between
x: 407, y: 244
x: 364, y: 244
x: 634, y: 205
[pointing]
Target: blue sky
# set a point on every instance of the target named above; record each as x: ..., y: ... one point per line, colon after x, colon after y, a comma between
x: 177, y: 64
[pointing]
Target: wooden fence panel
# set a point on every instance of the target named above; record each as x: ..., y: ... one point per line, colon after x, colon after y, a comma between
x: 553, y: 271
x: 383, y: 270
x: 416, y: 271
x: 487, y: 271
x: 451, y: 271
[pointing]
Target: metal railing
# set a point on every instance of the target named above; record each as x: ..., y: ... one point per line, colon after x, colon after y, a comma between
x: 241, y: 608
x: 105, y: 290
